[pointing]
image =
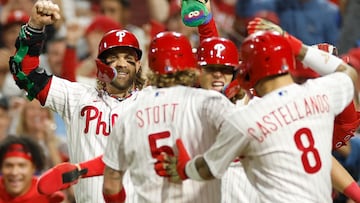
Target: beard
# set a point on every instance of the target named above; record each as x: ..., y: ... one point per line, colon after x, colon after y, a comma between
x: 123, y: 85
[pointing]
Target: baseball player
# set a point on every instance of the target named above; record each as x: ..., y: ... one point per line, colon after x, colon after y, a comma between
x: 287, y: 134
x: 218, y: 59
x: 158, y: 115
x: 87, y: 111
x: 212, y: 53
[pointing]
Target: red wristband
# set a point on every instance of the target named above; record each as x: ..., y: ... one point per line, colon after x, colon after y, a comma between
x: 95, y: 167
x: 115, y: 198
x: 353, y: 192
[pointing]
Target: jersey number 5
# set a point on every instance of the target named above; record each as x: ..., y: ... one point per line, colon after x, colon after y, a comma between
x: 155, y: 149
x: 307, y: 150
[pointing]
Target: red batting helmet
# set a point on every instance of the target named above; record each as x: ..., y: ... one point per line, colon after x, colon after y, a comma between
x: 118, y: 38
x: 170, y: 52
x: 264, y: 54
x: 217, y: 50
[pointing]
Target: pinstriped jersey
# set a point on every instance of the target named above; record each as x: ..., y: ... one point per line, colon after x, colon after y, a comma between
x: 235, y: 185
x: 88, y: 118
x: 286, y: 138
x: 152, y: 121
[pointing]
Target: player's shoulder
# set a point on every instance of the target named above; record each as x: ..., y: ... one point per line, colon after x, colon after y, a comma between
x: 334, y: 80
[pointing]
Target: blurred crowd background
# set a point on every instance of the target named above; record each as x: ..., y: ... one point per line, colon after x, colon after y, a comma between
x: 73, y: 42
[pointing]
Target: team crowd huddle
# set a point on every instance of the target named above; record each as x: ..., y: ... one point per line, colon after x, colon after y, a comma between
x: 262, y: 120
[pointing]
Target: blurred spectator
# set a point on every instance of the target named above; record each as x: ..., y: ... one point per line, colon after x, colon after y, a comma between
x: 144, y: 21
x: 10, y: 28
x: 4, y: 65
x: 174, y: 23
x: 349, y: 157
x: 350, y: 31
x: 20, y: 159
x: 353, y: 58
x: 246, y: 10
x: 10, y: 6
x: 85, y: 70
x: 38, y: 123
x: 224, y: 15
x: 312, y: 21
x: 5, y: 119
x: 54, y: 57
x: 7, y: 85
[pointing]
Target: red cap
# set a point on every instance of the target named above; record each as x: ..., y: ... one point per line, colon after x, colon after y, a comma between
x: 17, y: 16
x: 102, y: 23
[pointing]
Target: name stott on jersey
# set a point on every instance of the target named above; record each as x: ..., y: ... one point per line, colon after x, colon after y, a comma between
x: 88, y: 119
x: 286, y: 138
x: 151, y: 122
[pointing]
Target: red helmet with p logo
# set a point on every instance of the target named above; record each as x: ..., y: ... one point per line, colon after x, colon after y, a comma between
x: 217, y: 51
x: 118, y: 38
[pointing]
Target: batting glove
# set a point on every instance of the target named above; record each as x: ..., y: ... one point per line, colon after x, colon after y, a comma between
x: 259, y: 24
x: 171, y: 166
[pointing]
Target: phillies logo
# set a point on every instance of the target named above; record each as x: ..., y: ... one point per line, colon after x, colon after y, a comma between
x: 92, y: 114
x: 121, y: 35
x: 219, y: 48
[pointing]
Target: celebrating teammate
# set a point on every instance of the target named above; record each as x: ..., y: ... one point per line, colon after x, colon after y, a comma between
x: 158, y: 115
x: 287, y: 134
x: 86, y: 111
x: 218, y: 59
x: 20, y: 159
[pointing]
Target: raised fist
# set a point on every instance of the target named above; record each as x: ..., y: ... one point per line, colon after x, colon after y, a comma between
x: 44, y: 12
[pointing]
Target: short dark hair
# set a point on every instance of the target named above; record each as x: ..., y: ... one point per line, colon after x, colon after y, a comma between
x: 30, y: 145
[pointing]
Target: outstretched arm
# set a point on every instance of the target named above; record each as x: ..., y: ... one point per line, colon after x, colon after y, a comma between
x: 66, y: 174
x: 24, y: 65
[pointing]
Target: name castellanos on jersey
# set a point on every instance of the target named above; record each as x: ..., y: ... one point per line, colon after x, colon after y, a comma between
x: 287, y: 114
x: 93, y: 114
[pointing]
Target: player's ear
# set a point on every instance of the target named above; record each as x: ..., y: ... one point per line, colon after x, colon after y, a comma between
x: 138, y: 66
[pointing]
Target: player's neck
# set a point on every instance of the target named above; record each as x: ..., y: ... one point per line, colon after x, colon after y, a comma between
x: 266, y: 86
x: 121, y: 95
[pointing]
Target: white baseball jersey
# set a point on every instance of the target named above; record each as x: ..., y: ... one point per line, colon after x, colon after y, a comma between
x: 151, y: 122
x: 88, y: 118
x: 235, y: 185
x: 286, y: 138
